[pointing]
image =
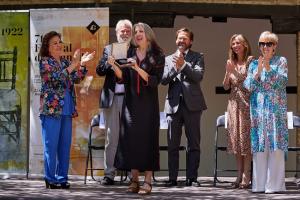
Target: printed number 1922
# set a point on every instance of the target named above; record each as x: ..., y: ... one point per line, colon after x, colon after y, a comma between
x: 12, y: 31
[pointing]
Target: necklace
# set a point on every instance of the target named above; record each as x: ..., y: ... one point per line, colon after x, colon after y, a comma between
x: 140, y: 54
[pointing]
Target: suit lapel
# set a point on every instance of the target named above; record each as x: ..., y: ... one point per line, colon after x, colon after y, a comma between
x: 188, y: 56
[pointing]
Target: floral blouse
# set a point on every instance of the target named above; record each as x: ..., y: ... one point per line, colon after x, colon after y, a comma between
x: 55, y: 80
x: 268, y: 105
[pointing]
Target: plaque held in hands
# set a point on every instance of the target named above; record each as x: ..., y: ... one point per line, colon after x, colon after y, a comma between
x: 119, y: 52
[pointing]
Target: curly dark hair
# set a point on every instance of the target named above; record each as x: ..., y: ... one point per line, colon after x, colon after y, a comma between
x: 44, y: 51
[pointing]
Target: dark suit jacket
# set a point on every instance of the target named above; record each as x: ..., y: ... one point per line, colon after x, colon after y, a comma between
x: 105, y: 69
x: 190, y: 85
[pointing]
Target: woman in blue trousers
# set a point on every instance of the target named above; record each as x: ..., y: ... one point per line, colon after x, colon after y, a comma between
x: 58, y: 106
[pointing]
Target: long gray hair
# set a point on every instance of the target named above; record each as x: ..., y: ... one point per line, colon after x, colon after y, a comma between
x: 150, y: 36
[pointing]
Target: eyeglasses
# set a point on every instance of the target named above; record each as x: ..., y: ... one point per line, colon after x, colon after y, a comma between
x: 267, y: 44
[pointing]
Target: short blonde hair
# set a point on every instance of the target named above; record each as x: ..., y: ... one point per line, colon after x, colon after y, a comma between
x: 272, y: 37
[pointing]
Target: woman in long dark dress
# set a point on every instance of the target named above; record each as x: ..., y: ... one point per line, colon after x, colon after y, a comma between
x: 138, y: 148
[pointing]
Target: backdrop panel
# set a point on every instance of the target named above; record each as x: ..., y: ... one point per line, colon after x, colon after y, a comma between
x: 87, y: 29
x: 14, y: 69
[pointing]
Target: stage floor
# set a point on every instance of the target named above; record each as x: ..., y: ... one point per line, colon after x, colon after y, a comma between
x: 34, y: 188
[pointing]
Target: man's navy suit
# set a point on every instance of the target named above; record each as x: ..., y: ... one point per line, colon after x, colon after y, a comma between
x: 184, y: 105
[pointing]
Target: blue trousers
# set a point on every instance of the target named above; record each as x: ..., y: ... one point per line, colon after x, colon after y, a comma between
x: 57, y: 138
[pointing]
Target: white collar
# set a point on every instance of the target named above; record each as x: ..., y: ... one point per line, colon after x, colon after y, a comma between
x: 185, y: 52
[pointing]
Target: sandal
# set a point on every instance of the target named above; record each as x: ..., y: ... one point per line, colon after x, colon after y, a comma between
x: 133, y: 187
x: 145, y: 189
x: 245, y: 184
x: 235, y: 185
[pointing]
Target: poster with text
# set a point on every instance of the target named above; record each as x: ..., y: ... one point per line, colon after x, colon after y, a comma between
x: 86, y: 29
x: 14, y: 70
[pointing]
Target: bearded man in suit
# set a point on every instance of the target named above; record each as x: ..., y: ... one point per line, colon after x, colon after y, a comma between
x: 184, y: 104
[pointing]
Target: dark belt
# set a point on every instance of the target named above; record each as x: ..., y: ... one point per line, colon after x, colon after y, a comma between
x: 120, y: 94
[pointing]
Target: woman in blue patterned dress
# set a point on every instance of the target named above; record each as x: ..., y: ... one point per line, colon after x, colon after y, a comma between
x: 58, y: 106
x: 266, y: 81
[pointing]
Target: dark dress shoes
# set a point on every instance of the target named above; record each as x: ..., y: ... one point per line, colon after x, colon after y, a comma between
x: 65, y: 185
x: 171, y: 183
x: 192, y: 182
x: 52, y: 185
x: 107, y: 181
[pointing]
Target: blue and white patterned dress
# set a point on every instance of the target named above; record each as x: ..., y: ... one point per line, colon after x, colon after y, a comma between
x: 268, y: 105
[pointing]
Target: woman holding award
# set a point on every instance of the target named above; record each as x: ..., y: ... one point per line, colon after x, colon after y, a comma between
x: 138, y: 148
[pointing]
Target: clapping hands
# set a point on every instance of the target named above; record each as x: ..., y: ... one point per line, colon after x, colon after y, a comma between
x: 76, y: 57
x: 264, y: 62
x: 87, y: 57
x: 178, y: 60
x: 84, y: 58
x: 229, y: 66
x: 260, y: 64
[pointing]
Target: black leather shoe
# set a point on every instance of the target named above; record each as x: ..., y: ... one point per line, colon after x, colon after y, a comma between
x: 192, y: 182
x: 107, y: 181
x: 65, y: 185
x: 52, y: 185
x: 171, y: 183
